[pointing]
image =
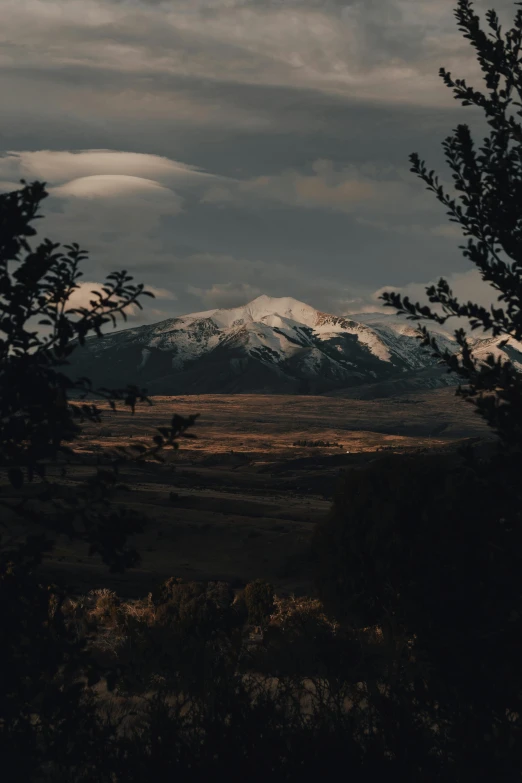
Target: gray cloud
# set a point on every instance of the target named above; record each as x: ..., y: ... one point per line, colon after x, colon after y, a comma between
x: 232, y: 146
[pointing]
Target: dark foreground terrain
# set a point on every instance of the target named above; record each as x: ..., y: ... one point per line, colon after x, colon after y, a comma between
x: 247, y: 497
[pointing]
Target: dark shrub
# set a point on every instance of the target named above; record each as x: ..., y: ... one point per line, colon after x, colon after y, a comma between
x: 259, y: 599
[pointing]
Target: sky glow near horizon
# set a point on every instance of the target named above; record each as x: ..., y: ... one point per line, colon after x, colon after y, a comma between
x: 221, y: 149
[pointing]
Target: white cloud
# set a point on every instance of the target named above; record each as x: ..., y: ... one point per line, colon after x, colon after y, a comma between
x: 83, y: 296
x: 58, y: 166
x: 466, y: 286
x: 104, y: 201
x: 107, y: 186
x: 162, y: 293
x: 103, y: 176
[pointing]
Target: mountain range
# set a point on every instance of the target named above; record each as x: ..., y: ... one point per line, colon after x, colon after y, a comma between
x: 274, y: 346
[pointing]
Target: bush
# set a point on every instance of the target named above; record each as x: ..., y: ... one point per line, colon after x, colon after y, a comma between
x: 184, y: 638
x: 240, y: 607
x: 259, y: 599
x: 194, y: 603
x: 220, y: 715
x: 300, y: 640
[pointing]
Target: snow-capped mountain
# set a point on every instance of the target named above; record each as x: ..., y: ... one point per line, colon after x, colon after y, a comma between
x: 271, y: 345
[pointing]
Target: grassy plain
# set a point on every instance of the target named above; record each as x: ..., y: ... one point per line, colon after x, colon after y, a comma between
x: 248, y: 499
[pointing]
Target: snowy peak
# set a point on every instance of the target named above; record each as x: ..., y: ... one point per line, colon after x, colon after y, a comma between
x: 262, y: 308
x: 271, y: 344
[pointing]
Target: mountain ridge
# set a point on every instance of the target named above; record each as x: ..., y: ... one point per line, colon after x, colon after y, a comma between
x: 270, y: 345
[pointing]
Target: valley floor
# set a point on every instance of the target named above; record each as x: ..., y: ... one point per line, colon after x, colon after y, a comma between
x: 248, y: 499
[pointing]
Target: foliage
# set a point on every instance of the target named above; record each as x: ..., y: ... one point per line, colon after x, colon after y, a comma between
x: 46, y: 714
x: 257, y: 714
x: 259, y: 599
x: 489, y: 184
x: 39, y: 331
x: 247, y: 732
x: 300, y: 640
x: 428, y: 548
x: 48, y: 718
x: 186, y: 640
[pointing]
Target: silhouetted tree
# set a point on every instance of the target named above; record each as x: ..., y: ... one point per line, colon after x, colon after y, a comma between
x: 46, y: 715
x: 489, y: 183
x: 430, y: 548
x: 37, y: 417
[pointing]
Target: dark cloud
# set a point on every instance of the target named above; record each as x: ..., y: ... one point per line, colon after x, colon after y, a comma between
x: 255, y: 93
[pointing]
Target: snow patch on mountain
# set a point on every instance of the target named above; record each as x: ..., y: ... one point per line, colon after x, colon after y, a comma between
x: 275, y: 344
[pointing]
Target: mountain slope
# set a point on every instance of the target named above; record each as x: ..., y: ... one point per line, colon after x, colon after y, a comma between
x: 272, y: 345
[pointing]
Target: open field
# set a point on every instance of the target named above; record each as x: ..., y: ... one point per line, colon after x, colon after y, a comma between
x: 264, y: 427
x: 248, y: 499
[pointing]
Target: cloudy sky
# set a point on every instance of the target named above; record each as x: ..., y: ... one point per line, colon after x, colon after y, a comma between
x: 220, y: 149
